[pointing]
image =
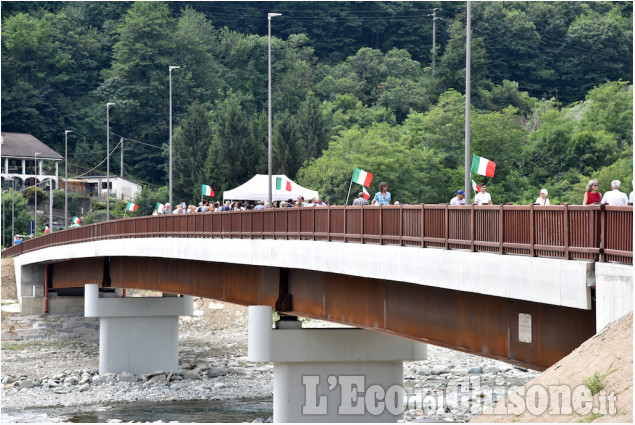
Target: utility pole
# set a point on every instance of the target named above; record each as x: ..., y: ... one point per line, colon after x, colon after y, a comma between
x: 121, y: 171
x: 434, y: 37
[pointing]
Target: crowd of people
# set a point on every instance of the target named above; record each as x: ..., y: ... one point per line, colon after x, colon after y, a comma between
x: 383, y: 197
x: 207, y: 206
x: 591, y: 196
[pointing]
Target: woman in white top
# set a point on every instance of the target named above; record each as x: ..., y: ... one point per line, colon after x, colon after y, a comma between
x: 542, y: 199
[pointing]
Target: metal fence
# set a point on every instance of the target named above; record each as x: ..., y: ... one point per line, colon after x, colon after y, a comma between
x: 572, y: 232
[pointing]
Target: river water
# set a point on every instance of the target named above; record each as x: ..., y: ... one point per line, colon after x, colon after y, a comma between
x: 197, y: 411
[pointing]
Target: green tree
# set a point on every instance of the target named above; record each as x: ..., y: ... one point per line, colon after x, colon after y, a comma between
x: 452, y: 65
x: 545, y: 154
x: 285, y: 148
x: 191, y: 143
x: 21, y: 215
x: 442, y: 128
x: 147, y: 199
x: 314, y: 129
x: 590, y: 150
x: 235, y: 154
x: 610, y: 108
x: 347, y: 111
x: 598, y: 47
x: 401, y: 95
x: 498, y: 136
x: 511, y: 42
x: 414, y: 174
x: 137, y: 83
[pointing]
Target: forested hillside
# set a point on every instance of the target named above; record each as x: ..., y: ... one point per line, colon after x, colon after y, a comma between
x: 355, y: 84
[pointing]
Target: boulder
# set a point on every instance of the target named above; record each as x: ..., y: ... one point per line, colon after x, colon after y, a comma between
x: 213, y: 372
x: 476, y: 370
x: 438, y: 370
x: 27, y: 383
x: 424, y: 371
x: 239, y: 371
x: 127, y: 377
x: 191, y: 374
x: 491, y: 369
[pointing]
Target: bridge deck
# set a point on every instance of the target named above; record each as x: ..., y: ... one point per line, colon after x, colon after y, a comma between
x: 572, y: 232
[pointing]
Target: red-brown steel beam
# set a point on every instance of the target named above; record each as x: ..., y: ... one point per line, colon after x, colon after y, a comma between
x: 470, y: 322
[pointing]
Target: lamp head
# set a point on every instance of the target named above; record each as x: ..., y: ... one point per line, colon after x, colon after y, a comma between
x: 108, y: 105
x: 36, y: 154
x: 68, y: 131
x: 173, y: 67
x: 273, y: 15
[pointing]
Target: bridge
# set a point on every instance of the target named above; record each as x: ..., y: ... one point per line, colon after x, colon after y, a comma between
x: 524, y: 284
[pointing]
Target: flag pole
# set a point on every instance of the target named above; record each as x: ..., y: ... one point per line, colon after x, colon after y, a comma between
x: 349, y: 191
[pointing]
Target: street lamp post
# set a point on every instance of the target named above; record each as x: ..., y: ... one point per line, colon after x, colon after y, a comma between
x: 269, y: 16
x: 108, y: 105
x: 51, y: 203
x: 13, y: 212
x: 35, y: 191
x: 66, y: 177
x: 170, y: 166
x: 468, y: 101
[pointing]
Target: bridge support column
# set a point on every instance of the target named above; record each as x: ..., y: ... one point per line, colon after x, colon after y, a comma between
x: 613, y: 292
x: 30, y: 281
x: 137, y: 335
x: 331, y: 375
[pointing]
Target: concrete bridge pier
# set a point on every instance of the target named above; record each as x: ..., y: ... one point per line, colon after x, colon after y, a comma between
x: 331, y: 375
x: 137, y: 335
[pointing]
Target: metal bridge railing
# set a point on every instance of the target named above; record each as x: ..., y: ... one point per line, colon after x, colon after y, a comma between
x: 593, y: 232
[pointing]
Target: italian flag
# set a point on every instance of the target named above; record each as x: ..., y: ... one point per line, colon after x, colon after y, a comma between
x: 160, y: 207
x: 362, y: 177
x: 75, y: 220
x: 47, y: 230
x: 279, y: 184
x: 366, y: 194
x: 475, y: 187
x: 131, y: 207
x: 207, y: 190
x: 483, y: 166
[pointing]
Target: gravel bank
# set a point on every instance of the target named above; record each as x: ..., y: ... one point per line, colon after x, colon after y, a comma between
x: 213, y: 366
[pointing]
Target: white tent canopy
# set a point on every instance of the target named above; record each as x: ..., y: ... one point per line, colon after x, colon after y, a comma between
x: 257, y: 189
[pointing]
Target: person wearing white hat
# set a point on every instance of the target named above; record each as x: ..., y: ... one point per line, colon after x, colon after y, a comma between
x: 542, y: 199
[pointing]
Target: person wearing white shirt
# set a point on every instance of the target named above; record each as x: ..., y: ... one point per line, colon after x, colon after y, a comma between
x: 630, y: 198
x: 483, y: 198
x: 615, y: 196
x: 459, y: 199
x: 542, y: 199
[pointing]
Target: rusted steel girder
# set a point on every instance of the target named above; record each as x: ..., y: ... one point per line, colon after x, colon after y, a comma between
x: 470, y: 322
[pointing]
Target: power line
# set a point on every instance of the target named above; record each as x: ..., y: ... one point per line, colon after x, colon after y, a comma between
x: 111, y: 152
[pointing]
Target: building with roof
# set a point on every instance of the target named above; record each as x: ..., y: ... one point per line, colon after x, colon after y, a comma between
x: 97, y: 186
x: 26, y: 160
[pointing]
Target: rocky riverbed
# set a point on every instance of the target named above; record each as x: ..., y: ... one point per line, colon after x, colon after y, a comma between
x: 450, y: 386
